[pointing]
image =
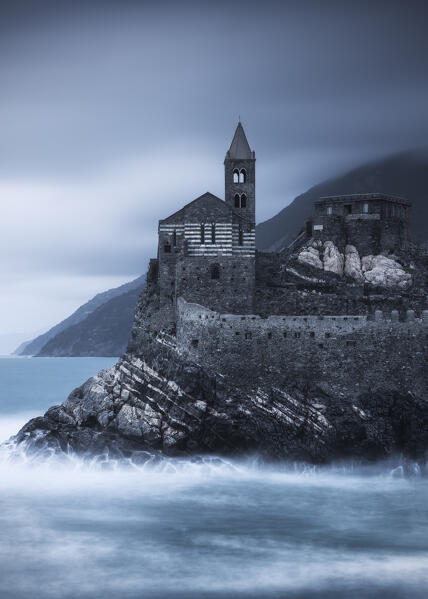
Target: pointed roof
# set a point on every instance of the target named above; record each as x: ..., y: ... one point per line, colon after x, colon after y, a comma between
x: 240, y: 148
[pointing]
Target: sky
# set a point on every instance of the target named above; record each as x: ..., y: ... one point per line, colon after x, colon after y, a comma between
x: 115, y: 114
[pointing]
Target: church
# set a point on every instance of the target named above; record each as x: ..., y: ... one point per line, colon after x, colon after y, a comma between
x: 206, y: 250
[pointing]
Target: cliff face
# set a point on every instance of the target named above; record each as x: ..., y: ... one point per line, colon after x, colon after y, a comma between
x: 364, y: 403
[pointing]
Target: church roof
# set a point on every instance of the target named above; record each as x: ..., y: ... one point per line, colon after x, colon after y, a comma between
x: 207, y: 201
x: 239, y: 148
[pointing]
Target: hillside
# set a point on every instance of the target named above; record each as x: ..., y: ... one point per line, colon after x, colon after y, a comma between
x: 105, y: 332
x: 32, y: 348
x: 404, y: 174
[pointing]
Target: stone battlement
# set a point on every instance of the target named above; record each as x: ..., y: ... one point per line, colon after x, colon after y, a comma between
x: 341, y: 324
x: 246, y: 342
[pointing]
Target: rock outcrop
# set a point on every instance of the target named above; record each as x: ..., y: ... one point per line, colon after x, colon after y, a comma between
x: 353, y: 263
x: 335, y: 392
x: 385, y: 272
x: 380, y: 271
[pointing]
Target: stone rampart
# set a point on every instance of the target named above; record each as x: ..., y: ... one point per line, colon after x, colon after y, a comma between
x: 251, y: 344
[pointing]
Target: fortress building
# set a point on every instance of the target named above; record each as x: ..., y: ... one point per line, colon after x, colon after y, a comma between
x: 374, y: 222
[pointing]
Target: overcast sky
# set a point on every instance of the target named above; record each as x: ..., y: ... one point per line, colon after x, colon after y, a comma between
x: 114, y: 114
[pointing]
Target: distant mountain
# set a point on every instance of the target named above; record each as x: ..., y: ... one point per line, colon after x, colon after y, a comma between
x: 105, y: 332
x: 20, y: 350
x: 35, y: 346
x: 404, y: 174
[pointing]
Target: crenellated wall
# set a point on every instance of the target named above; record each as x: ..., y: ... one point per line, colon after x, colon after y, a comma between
x: 252, y: 344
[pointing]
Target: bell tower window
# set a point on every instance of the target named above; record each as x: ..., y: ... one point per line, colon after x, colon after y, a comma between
x: 213, y: 233
x: 202, y: 233
x: 236, y: 176
x: 237, y: 201
x: 242, y: 175
x: 243, y: 201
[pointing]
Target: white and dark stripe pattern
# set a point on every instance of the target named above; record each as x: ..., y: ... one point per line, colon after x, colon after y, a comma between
x: 226, y: 239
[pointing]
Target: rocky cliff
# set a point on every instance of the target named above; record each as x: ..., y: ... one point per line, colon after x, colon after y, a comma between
x: 365, y: 404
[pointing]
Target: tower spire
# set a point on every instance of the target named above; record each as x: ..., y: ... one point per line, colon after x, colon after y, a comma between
x: 239, y: 148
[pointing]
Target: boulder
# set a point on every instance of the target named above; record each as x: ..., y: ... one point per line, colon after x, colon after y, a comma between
x: 353, y: 263
x: 333, y: 259
x: 385, y: 272
x: 311, y: 256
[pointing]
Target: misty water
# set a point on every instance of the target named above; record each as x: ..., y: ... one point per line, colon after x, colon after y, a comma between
x: 210, y: 529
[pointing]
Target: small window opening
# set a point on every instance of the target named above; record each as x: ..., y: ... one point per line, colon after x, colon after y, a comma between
x: 327, y: 335
x: 213, y: 233
x: 237, y: 201
x: 348, y: 208
x: 236, y: 176
x: 240, y: 236
x: 297, y: 334
x: 243, y: 201
x: 174, y: 238
x: 312, y: 334
x: 284, y: 334
x: 270, y: 335
x: 167, y: 248
x: 215, y: 271
x: 202, y: 233
x: 195, y: 342
x: 365, y: 208
x: 248, y: 335
x: 329, y: 210
x: 243, y: 176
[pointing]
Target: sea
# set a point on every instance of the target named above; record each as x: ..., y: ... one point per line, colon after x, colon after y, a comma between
x: 197, y: 529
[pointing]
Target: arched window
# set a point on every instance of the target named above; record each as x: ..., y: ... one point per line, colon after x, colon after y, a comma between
x: 240, y: 236
x: 202, y: 233
x: 174, y: 238
x: 213, y: 233
x: 243, y: 201
x: 242, y: 175
x: 237, y: 201
x: 236, y: 176
x: 215, y: 271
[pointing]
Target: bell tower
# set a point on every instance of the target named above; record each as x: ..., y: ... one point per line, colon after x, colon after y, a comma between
x: 240, y: 176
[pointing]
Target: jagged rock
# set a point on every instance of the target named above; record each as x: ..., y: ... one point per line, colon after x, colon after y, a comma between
x: 353, y: 263
x: 332, y: 259
x: 385, y: 272
x: 311, y: 256
x: 130, y: 420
